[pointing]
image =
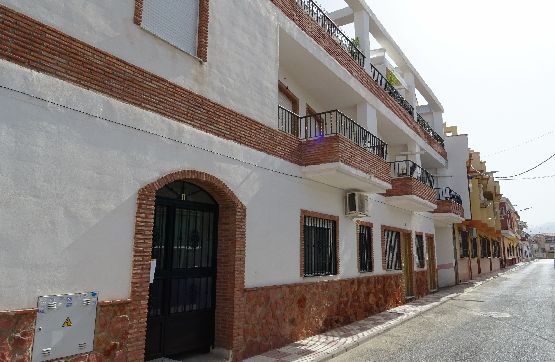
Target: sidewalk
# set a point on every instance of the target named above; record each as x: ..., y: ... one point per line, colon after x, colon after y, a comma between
x: 332, y: 343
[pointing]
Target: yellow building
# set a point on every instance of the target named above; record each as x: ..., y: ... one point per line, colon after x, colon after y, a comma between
x: 478, y: 239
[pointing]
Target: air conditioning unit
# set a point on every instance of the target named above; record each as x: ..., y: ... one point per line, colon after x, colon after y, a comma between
x: 473, y: 233
x: 356, y: 204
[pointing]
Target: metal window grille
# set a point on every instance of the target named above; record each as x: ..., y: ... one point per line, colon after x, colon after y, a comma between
x: 392, y: 250
x: 474, y: 248
x: 464, y: 244
x: 365, y: 248
x: 320, y: 247
x: 483, y: 247
x: 420, y: 251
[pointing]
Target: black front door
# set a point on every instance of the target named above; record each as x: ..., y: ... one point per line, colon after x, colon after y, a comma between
x: 182, y: 295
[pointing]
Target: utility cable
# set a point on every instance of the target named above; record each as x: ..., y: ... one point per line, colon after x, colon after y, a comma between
x: 530, y: 169
x: 521, y: 144
x: 252, y: 164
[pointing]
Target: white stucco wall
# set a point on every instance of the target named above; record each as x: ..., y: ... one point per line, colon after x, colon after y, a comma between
x: 69, y: 185
x: 243, y: 52
x: 242, y: 46
x: 445, y: 256
x: 455, y: 175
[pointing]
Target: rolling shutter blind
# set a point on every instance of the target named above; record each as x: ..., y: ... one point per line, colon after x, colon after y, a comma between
x: 175, y: 21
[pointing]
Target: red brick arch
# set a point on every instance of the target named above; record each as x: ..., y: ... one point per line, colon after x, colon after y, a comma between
x: 230, y: 280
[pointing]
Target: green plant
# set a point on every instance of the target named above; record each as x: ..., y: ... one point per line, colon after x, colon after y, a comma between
x: 392, y: 78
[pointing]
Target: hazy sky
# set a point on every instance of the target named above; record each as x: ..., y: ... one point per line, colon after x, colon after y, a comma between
x: 491, y: 63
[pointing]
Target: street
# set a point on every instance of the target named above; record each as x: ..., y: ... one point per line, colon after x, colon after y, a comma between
x: 510, y: 318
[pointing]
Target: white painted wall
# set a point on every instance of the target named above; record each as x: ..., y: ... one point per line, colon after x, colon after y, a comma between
x: 445, y: 255
x: 242, y: 51
x: 242, y: 46
x: 69, y: 186
x: 455, y: 175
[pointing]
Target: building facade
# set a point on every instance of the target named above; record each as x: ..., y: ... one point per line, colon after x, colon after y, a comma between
x: 479, y: 247
x: 241, y: 167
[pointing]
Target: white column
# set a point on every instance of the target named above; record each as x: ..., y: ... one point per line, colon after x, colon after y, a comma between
x: 414, y: 152
x: 411, y: 91
x: 362, y: 32
x: 438, y: 123
x: 367, y: 117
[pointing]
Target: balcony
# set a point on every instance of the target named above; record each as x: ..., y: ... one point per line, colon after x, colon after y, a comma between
x: 413, y: 187
x: 338, y: 152
x: 449, y: 207
x: 322, y: 19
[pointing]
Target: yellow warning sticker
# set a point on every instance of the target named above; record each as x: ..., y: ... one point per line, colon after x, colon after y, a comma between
x: 67, y: 323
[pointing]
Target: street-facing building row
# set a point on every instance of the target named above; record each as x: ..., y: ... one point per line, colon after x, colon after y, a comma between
x: 223, y: 176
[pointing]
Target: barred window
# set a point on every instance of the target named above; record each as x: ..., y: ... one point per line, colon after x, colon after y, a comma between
x: 420, y: 251
x: 464, y: 244
x: 474, y: 248
x: 484, y: 247
x: 365, y: 248
x: 320, y: 246
x: 392, y: 250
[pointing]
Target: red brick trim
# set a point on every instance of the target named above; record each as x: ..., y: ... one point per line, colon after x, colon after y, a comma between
x: 410, y: 186
x: 360, y: 223
x: 230, y: 280
x: 321, y: 216
x: 322, y: 38
x: 337, y: 148
x: 34, y: 45
x: 138, y: 15
x: 449, y: 207
x: 202, y: 31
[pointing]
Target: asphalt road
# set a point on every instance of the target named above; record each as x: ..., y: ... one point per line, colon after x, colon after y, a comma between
x: 510, y: 318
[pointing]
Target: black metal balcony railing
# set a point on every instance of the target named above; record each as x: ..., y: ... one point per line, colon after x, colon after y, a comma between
x: 330, y: 123
x: 448, y: 194
x: 335, y: 122
x: 397, y: 97
x: 408, y: 168
x: 288, y: 121
x: 318, y: 15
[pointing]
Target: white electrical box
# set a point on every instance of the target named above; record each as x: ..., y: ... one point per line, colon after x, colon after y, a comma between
x: 65, y: 325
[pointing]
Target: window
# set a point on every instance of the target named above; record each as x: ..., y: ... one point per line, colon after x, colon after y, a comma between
x: 365, y: 248
x: 464, y: 244
x: 174, y: 21
x: 484, y: 250
x: 392, y: 250
x: 320, y: 246
x: 488, y: 241
x: 420, y: 251
x: 474, y: 250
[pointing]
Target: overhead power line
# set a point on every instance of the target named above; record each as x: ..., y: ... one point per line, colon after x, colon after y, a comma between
x: 521, y: 144
x: 528, y: 178
x: 530, y: 169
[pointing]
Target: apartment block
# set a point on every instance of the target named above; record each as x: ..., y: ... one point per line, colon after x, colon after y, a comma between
x: 226, y: 176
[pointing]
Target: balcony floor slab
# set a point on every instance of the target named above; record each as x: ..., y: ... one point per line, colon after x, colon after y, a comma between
x: 340, y: 175
x: 411, y: 202
x: 446, y: 219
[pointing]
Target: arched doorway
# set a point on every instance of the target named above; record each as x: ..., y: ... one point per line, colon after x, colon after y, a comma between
x: 230, y: 279
x: 181, y: 306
